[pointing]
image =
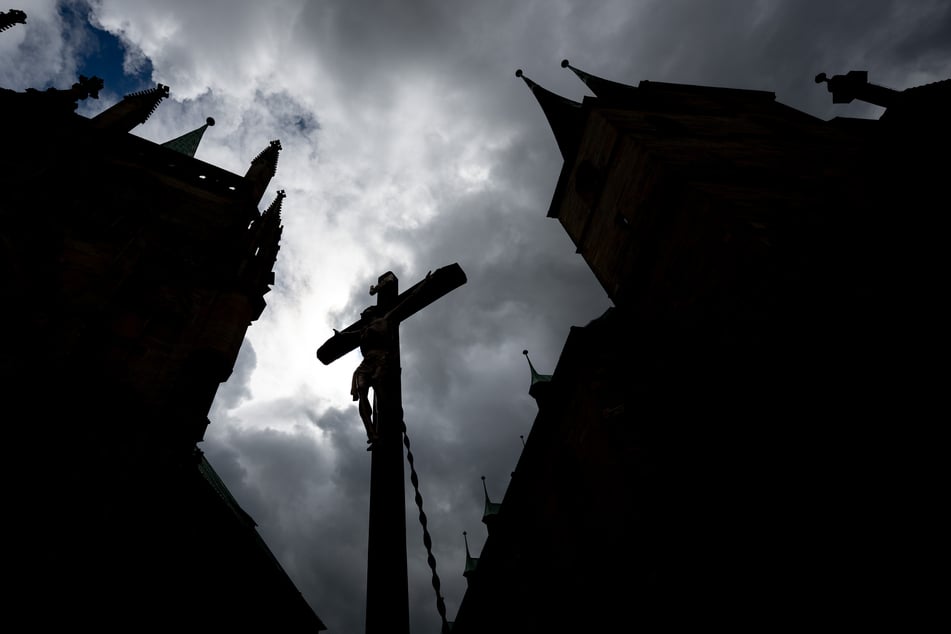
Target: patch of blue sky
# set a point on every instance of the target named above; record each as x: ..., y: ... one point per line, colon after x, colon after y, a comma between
x: 103, y: 54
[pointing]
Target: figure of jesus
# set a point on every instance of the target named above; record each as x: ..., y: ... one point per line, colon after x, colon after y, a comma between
x: 378, y: 347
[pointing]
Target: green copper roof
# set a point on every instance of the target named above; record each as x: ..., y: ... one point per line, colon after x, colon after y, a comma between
x: 536, y: 377
x: 471, y: 562
x: 491, y: 508
x: 187, y: 144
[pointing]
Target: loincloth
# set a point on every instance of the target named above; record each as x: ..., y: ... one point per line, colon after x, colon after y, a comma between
x: 369, y: 372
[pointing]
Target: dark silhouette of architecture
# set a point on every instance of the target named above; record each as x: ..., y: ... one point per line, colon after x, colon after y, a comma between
x: 744, y: 439
x: 130, y: 272
x: 11, y: 17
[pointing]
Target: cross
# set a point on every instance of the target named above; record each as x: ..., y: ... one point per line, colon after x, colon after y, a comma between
x: 377, y: 335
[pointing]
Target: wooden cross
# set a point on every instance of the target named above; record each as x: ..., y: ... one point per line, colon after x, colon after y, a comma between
x: 387, y: 585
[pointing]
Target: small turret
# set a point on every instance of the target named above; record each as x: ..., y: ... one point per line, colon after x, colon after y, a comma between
x: 262, y: 170
x: 133, y: 110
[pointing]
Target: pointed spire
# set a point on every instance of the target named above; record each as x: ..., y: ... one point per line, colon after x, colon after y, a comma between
x: 274, y: 209
x: 564, y: 115
x: 11, y: 17
x: 269, y: 238
x: 539, y: 384
x: 471, y: 562
x: 134, y: 109
x: 267, y: 223
x: 603, y: 88
x: 262, y: 170
x: 187, y: 144
x: 490, y: 510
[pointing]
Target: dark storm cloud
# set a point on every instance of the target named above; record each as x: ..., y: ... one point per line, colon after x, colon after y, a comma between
x: 368, y: 43
x: 927, y: 43
x: 781, y: 46
x: 519, y: 293
x: 282, y: 111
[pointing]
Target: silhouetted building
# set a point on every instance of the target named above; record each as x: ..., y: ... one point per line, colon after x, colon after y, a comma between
x: 130, y: 272
x: 743, y: 439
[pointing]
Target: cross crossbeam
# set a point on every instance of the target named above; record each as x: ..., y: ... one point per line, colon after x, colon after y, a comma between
x: 438, y: 283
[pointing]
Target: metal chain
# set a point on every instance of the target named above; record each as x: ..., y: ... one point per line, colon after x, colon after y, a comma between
x: 427, y: 540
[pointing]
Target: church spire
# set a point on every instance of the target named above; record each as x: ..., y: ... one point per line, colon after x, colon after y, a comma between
x: 134, y: 109
x: 262, y: 170
x: 187, y: 144
x: 564, y: 115
x: 602, y: 88
x: 539, y: 383
x: 274, y: 209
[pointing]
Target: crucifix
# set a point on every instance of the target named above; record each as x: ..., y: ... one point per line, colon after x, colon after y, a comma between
x: 376, y: 333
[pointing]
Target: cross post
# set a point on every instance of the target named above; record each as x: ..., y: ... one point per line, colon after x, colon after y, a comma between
x: 387, y: 586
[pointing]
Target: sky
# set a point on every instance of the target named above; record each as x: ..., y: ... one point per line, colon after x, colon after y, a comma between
x: 408, y: 144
